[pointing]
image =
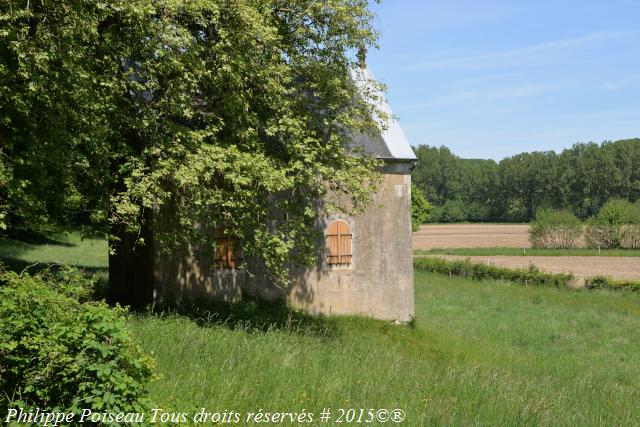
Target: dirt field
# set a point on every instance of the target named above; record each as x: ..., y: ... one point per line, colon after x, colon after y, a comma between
x: 581, y: 267
x: 516, y: 236
x: 471, y: 236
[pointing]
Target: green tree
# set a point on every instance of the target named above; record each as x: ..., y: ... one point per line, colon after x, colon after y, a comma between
x: 610, y: 227
x: 581, y: 178
x: 452, y: 211
x: 228, y: 110
x: 420, y: 208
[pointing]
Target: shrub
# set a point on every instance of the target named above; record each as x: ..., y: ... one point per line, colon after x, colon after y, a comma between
x: 603, y: 282
x: 436, y: 214
x: 420, y: 208
x: 477, y: 211
x: 57, y: 353
x: 631, y: 231
x: 67, y: 280
x: 453, y: 211
x: 555, y: 229
x: 616, y: 225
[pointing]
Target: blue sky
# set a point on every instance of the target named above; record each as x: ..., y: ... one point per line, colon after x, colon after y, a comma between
x: 490, y: 79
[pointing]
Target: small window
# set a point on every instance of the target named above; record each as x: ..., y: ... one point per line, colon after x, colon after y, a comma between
x: 339, y: 243
x: 225, y: 257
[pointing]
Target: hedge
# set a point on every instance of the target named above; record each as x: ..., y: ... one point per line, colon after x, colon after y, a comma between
x: 532, y: 276
x: 466, y: 268
x: 603, y: 282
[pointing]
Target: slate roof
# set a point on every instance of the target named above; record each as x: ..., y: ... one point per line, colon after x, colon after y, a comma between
x: 392, y: 144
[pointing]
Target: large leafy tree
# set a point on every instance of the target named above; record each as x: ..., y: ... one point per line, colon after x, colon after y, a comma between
x: 229, y: 113
x: 581, y: 178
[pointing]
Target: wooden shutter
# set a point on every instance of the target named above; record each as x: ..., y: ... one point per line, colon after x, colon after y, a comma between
x: 224, y: 249
x: 339, y: 243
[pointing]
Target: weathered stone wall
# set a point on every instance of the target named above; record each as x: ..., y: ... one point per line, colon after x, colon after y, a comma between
x: 378, y: 283
x: 186, y: 275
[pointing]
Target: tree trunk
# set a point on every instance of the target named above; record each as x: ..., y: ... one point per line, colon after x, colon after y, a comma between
x: 131, y: 265
x: 131, y: 268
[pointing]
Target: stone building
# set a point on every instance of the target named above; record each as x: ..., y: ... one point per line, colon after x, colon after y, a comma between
x: 365, y: 268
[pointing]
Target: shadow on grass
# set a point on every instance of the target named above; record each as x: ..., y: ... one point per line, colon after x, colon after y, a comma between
x: 252, y: 315
x: 40, y: 239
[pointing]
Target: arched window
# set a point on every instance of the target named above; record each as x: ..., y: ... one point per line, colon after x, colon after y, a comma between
x: 224, y: 255
x: 339, y: 243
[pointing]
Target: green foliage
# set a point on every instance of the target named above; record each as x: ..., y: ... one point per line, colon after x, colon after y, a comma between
x: 452, y: 211
x: 631, y: 234
x: 57, y: 353
x: 66, y: 280
x: 420, y: 208
x: 4, y: 180
x: 532, y: 276
x: 603, y: 282
x: 555, y: 229
x: 616, y: 225
x: 582, y: 178
x: 466, y: 268
x: 226, y: 110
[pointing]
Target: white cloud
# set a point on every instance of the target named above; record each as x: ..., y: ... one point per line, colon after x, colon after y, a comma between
x: 500, y: 94
x: 517, y: 56
x: 631, y: 81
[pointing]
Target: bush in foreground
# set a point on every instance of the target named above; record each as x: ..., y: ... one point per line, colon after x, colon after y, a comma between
x: 57, y: 353
x: 555, y: 229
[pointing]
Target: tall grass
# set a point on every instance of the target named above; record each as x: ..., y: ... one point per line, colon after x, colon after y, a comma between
x: 477, y: 354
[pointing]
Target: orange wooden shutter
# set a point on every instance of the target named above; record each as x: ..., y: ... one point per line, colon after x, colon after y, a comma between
x: 339, y: 243
x: 224, y: 249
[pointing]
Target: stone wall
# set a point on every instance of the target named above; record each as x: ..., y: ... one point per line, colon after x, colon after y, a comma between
x: 378, y: 283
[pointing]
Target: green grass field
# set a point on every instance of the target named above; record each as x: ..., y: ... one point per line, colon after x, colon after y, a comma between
x: 479, y: 353
x: 63, y: 248
x: 528, y: 252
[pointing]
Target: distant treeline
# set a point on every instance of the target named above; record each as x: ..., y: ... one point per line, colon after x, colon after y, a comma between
x: 581, y: 179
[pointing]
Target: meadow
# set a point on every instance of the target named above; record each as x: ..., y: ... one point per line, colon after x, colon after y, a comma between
x: 478, y: 353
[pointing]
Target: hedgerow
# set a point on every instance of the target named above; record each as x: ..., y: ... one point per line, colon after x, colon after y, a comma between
x: 466, y: 268
x: 532, y: 276
x: 603, y: 282
x: 57, y: 353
